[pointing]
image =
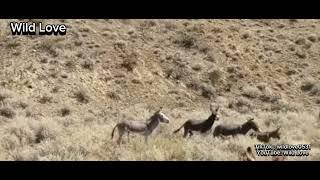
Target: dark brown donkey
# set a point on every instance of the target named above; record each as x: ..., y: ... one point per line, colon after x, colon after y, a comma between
x: 266, y: 136
x: 232, y: 129
x: 199, y: 125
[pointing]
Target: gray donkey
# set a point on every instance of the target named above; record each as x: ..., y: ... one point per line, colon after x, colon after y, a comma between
x: 199, y: 125
x: 144, y: 128
x: 232, y: 129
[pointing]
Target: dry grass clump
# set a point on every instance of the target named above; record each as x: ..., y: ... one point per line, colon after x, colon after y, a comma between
x: 49, y: 46
x: 241, y: 104
x: 250, y: 91
x: 45, y: 99
x: 88, y: 64
x: 215, y: 76
x: 25, y: 132
x: 207, y: 90
x: 130, y: 61
x: 7, y: 112
x: 81, y: 96
x: 186, y: 40
x: 64, y: 111
x: 312, y: 87
x: 5, y: 94
x: 13, y: 44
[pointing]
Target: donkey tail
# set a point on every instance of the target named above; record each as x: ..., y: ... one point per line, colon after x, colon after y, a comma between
x: 174, y: 132
x: 113, y: 131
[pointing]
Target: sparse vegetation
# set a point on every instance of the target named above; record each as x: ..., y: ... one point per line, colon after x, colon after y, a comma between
x: 60, y: 97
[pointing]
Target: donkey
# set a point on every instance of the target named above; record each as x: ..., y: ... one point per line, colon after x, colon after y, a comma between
x: 199, y: 125
x: 233, y: 130
x: 266, y: 136
x: 143, y: 128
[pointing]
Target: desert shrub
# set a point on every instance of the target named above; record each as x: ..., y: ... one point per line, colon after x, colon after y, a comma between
x: 197, y: 67
x: 285, y: 106
x: 64, y: 111
x: 25, y: 154
x: 13, y: 44
x: 114, y: 95
x: 120, y: 45
x: 44, y: 130
x: 19, y: 103
x: 307, y: 85
x: 311, y: 86
x: 87, y: 64
x: 250, y: 91
x: 207, y: 91
x: 267, y: 95
x: 70, y: 64
x: 211, y: 57
x: 81, y: 96
x: 18, y: 134
x: 300, y: 41
x: 45, y: 99
x: 49, y: 46
x: 4, y: 94
x: 186, y: 40
x: 301, y: 54
x: 215, y: 76
x: 203, y: 47
x: 7, y: 112
x: 130, y: 62
x: 26, y: 132
x: 241, y: 104
x: 315, y: 90
x: 312, y: 38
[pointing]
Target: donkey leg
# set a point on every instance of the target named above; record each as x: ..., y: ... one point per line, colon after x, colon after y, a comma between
x: 121, y: 132
x: 190, y: 133
x: 185, y: 132
x: 128, y: 134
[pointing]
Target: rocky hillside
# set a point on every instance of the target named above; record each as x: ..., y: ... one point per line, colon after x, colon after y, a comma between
x: 60, y: 96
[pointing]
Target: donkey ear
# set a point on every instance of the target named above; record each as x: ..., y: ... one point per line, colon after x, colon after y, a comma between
x: 211, y: 108
x: 160, y: 109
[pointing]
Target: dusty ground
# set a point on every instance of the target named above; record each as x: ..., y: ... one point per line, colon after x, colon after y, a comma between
x: 60, y: 97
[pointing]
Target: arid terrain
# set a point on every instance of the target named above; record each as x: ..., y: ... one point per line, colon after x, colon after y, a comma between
x: 61, y: 96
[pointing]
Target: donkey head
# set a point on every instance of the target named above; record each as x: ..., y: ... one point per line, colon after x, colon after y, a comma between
x: 250, y: 124
x: 161, y: 116
x: 275, y: 133
x: 214, y: 113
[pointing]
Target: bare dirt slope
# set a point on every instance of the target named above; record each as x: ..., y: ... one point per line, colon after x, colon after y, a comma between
x: 60, y: 96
